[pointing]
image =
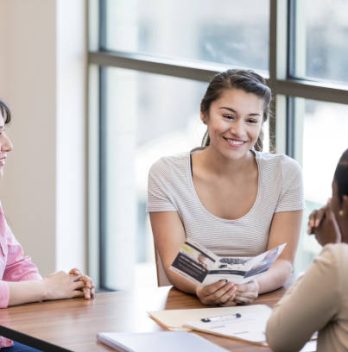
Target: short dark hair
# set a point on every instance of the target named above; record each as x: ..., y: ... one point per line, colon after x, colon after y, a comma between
x: 5, y: 112
x: 246, y: 80
x: 341, y: 175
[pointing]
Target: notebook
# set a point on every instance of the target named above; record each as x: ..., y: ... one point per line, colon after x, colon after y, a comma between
x: 158, y: 341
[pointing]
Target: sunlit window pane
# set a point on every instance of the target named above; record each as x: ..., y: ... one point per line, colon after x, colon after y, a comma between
x: 225, y: 31
x: 148, y: 116
x: 321, y: 39
x: 322, y: 140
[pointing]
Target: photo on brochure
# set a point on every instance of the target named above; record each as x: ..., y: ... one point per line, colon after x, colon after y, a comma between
x: 198, y: 264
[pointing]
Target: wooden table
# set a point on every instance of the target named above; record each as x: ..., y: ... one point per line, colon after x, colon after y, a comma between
x: 72, y: 325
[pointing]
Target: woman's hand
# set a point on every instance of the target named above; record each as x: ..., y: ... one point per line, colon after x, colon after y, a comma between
x: 328, y: 231
x: 61, y: 285
x: 218, y: 293
x: 314, y: 220
x: 88, y: 288
x: 247, y: 293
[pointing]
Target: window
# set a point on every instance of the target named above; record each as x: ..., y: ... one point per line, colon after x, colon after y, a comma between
x: 321, y: 44
x: 321, y: 139
x: 147, y: 116
x: 232, y: 33
x: 150, y: 62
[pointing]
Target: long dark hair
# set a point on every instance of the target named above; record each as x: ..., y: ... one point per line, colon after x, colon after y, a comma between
x: 341, y: 176
x: 246, y: 80
x: 5, y: 112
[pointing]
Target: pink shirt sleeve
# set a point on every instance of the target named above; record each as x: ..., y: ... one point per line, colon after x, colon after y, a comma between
x: 4, y: 342
x: 14, y: 265
x: 4, y: 294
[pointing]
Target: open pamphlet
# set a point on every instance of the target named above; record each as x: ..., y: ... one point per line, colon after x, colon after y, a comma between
x: 198, y: 264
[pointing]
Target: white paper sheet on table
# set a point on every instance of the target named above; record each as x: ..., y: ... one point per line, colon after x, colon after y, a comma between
x: 250, y: 326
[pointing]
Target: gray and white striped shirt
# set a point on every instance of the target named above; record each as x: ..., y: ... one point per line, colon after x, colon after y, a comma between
x: 280, y: 188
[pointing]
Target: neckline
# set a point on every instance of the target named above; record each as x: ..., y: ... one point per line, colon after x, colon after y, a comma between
x: 195, y: 194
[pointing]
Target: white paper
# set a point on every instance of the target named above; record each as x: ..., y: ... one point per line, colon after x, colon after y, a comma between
x: 250, y: 326
x: 310, y: 346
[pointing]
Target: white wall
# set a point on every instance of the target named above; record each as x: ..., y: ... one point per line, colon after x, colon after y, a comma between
x: 42, y: 78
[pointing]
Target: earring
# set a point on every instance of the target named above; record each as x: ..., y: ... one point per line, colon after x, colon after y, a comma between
x: 341, y: 213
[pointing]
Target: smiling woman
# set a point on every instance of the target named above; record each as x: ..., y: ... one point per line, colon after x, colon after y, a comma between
x: 229, y: 195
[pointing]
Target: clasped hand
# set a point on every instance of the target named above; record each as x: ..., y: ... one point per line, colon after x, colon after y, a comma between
x: 74, y: 284
x: 224, y: 293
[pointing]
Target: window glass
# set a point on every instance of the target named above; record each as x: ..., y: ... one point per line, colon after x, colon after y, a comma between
x: 321, y: 39
x: 321, y: 139
x: 148, y: 116
x: 228, y: 31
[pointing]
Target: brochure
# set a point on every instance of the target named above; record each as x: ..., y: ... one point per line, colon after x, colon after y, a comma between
x: 198, y: 264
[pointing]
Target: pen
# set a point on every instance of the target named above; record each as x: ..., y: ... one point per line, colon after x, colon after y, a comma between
x: 221, y: 317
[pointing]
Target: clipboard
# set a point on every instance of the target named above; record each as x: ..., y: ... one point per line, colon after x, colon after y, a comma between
x: 250, y: 326
x: 191, y: 319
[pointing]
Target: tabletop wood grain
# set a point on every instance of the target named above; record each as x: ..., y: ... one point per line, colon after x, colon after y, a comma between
x: 73, y: 324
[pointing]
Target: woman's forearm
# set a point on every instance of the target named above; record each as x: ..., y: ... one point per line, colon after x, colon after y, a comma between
x: 26, y: 291
x: 181, y: 283
x: 276, y: 277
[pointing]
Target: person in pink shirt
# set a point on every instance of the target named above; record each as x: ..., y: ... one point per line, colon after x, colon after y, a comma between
x: 20, y: 280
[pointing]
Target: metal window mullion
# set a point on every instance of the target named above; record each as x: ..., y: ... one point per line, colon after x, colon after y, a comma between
x: 312, y: 90
x: 102, y: 151
x: 290, y: 127
x: 278, y: 42
x: 278, y: 61
x: 157, y: 65
x: 102, y: 178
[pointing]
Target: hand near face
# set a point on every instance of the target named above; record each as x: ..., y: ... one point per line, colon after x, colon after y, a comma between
x: 218, y: 293
x: 328, y: 230
x: 314, y: 220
